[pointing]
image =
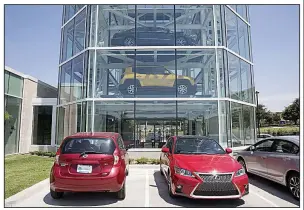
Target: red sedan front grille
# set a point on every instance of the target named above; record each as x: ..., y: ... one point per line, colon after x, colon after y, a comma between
x: 216, y: 185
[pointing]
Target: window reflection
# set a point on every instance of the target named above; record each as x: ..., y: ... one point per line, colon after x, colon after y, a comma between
x: 234, y: 76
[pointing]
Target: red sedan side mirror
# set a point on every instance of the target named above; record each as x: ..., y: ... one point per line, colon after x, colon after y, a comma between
x: 165, y: 150
x: 228, y: 150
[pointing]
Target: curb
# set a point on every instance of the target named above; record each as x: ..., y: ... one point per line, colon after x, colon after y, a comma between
x: 26, y: 193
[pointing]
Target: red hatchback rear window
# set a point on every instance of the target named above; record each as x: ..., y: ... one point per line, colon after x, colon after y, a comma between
x: 92, y: 145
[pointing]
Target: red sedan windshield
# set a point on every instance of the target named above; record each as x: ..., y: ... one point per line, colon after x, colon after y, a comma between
x: 197, y: 146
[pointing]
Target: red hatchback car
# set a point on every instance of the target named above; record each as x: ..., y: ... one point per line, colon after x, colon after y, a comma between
x: 90, y: 162
x: 198, y: 167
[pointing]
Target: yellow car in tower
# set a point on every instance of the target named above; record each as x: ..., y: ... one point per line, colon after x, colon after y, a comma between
x: 155, y: 78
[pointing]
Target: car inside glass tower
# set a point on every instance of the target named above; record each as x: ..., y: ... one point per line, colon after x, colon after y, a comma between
x: 153, y: 71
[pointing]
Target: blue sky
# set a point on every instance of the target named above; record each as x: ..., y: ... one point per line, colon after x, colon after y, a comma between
x: 32, y: 39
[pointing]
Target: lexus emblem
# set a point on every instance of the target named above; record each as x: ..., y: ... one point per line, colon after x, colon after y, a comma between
x: 216, y: 177
x: 85, y: 156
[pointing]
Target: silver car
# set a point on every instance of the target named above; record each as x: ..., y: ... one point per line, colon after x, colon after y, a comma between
x: 276, y: 159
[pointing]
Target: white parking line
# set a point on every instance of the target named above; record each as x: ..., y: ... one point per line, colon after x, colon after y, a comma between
x: 147, y: 190
x: 268, y: 201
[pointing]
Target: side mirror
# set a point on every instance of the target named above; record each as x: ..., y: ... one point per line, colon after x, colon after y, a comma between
x: 165, y: 150
x: 228, y: 150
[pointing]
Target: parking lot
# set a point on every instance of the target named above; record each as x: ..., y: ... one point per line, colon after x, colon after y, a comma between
x: 147, y: 188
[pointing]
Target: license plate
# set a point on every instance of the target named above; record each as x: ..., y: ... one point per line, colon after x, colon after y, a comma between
x: 84, y: 169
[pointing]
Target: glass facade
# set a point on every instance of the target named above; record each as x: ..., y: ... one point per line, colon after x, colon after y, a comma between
x: 151, y: 71
x: 13, y: 92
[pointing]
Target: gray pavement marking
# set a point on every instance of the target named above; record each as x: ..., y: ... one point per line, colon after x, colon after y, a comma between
x: 146, y: 187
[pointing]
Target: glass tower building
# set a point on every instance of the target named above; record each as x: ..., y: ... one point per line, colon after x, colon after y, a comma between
x: 152, y: 71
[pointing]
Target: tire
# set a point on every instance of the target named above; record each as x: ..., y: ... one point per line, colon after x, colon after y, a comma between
x: 293, y: 184
x: 169, y: 187
x: 242, y: 162
x: 181, y: 41
x: 56, y: 195
x: 161, y: 171
x: 129, y: 41
x: 121, y: 194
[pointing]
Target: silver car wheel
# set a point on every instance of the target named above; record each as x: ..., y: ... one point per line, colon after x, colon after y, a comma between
x: 130, y: 89
x: 182, y: 89
x: 181, y: 41
x: 294, y: 185
x: 129, y: 42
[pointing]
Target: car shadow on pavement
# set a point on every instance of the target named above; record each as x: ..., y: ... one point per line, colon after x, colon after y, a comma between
x: 272, y: 188
x: 82, y: 199
x: 187, y: 202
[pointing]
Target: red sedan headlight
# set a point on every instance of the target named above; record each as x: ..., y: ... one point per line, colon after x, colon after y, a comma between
x: 240, y: 172
x: 183, y: 172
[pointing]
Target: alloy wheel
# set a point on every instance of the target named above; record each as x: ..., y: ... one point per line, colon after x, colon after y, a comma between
x: 182, y: 89
x: 294, y: 186
x: 130, y: 89
x: 129, y: 42
x: 181, y: 41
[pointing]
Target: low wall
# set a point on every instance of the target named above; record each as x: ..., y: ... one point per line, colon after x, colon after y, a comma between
x: 136, y: 153
x: 43, y: 148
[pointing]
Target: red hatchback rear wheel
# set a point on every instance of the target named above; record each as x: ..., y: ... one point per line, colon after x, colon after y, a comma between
x: 56, y: 195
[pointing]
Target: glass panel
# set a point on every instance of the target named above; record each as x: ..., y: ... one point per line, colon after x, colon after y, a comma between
x: 248, y: 126
x: 62, y: 123
x: 79, y: 6
x: 223, y: 121
x: 234, y: 76
x: 241, y: 10
x: 69, y: 12
x: 246, y: 81
x: 93, y: 26
x: 6, y: 81
x: 237, y: 132
x: 65, y: 83
x: 155, y: 26
x: 154, y: 126
x: 115, y: 116
x: 194, y: 25
x: 222, y: 73
x: 79, y: 32
x: 243, y: 39
x: 67, y: 44
x: 15, y: 85
x: 77, y: 79
x: 232, y: 30
x: 114, y: 74
x: 12, y: 125
x: 155, y: 74
x: 116, y: 25
x: 84, y: 117
x: 73, y: 119
x: 196, y: 73
x: 91, y: 73
x: 42, y: 125
x: 89, y: 116
x: 199, y: 118
x: 233, y: 6
x: 220, y: 29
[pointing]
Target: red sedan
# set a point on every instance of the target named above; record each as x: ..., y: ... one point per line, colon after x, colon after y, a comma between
x: 198, y: 167
x: 88, y: 162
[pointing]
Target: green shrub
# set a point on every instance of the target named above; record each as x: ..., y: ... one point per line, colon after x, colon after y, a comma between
x: 41, y: 153
x: 142, y: 160
x: 154, y: 161
x: 281, y: 131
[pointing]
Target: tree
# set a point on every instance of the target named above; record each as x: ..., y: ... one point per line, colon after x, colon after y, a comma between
x: 276, y: 117
x: 263, y: 115
x: 292, y: 112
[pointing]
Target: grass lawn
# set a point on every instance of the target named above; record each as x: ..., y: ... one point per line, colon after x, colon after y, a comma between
x: 23, y: 171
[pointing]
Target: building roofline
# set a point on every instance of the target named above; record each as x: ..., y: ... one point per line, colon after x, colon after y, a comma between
x: 25, y: 76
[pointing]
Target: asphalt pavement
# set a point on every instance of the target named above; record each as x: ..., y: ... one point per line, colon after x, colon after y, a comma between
x: 146, y: 187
